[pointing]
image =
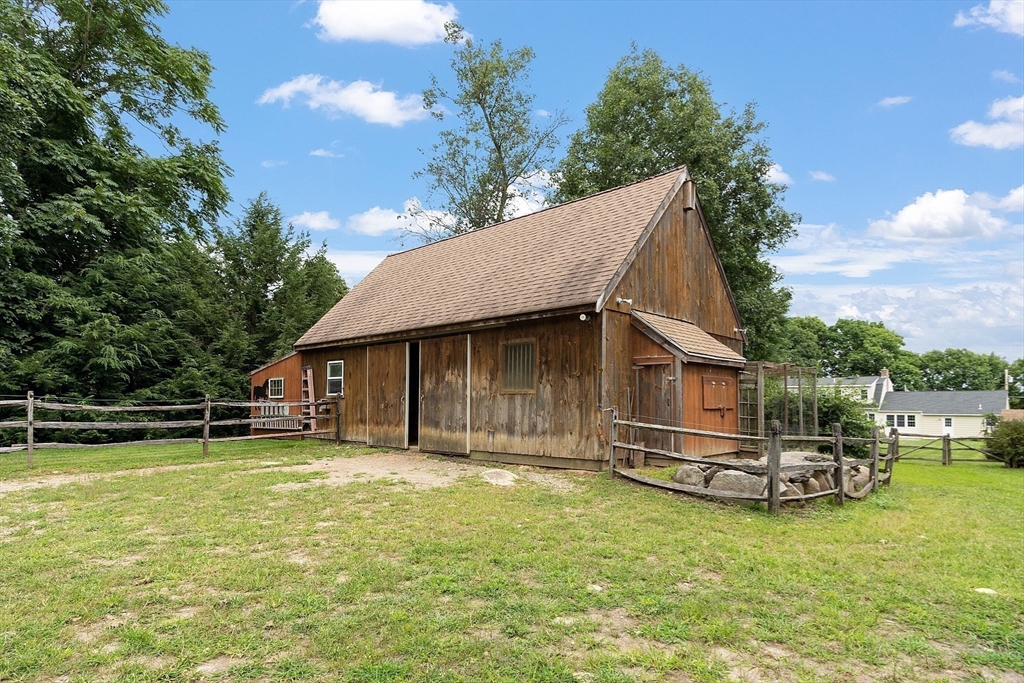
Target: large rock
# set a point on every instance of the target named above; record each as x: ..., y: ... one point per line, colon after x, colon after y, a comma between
x: 793, y: 489
x: 738, y: 482
x: 812, y: 486
x: 498, y: 477
x: 689, y: 475
x: 710, y: 474
x: 861, y: 477
x: 824, y: 481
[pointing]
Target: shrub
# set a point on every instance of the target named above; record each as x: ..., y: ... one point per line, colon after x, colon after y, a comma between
x: 834, y: 407
x: 1007, y: 443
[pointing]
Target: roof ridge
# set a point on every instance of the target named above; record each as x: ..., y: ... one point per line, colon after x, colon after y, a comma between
x: 678, y: 169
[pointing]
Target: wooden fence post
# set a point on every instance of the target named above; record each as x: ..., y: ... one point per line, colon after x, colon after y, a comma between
x: 874, y: 459
x: 337, y: 420
x: 30, y: 438
x: 837, y: 457
x: 774, y: 461
x: 947, y: 451
x: 893, y: 451
x: 206, y: 427
x: 613, y: 432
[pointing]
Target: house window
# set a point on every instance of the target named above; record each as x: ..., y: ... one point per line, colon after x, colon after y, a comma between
x: 901, y: 421
x: 336, y: 378
x: 947, y: 421
x: 864, y: 393
x: 890, y: 420
x: 275, y: 387
x: 871, y: 416
x: 518, y: 366
x: 911, y: 420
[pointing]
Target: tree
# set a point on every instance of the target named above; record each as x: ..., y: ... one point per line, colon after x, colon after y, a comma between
x: 99, y: 236
x: 859, y: 347
x: 274, y: 289
x: 1017, y: 383
x: 496, y: 153
x: 961, y: 369
x: 651, y: 118
x: 801, y: 341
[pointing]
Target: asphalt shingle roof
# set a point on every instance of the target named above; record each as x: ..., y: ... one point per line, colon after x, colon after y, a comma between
x: 561, y: 257
x: 945, y: 402
x: 688, y: 337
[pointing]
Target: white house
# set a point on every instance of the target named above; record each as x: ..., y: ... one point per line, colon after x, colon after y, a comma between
x: 956, y: 413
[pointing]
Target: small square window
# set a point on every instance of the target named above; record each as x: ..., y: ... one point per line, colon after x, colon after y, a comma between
x: 911, y: 420
x: 517, y: 366
x: 947, y: 421
x: 871, y: 416
x: 901, y: 421
x: 864, y: 393
x: 275, y: 387
x: 890, y: 420
x: 336, y: 378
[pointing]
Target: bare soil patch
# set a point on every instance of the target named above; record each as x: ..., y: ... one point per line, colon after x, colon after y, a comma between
x: 55, y: 480
x: 219, y: 665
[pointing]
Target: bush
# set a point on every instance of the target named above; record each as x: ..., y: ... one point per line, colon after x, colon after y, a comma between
x: 1007, y: 443
x: 835, y: 407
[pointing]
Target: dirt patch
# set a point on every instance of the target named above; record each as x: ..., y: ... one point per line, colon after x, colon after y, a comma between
x: 151, y: 662
x: 90, y: 633
x: 55, y: 480
x: 418, y: 470
x: 219, y: 665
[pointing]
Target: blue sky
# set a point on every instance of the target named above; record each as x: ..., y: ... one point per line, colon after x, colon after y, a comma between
x: 898, y: 128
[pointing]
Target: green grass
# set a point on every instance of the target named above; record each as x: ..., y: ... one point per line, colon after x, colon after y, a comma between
x: 202, y: 573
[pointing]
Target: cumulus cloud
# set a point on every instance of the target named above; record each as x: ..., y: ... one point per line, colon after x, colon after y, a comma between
x: 355, y: 265
x: 315, y: 220
x: 1005, y: 76
x: 369, y: 102
x: 376, y: 222
x: 326, y: 153
x: 777, y: 176
x: 273, y: 163
x: 543, y: 113
x: 894, y: 101
x: 402, y: 22
x: 1005, y: 16
x: 944, y: 215
x: 822, y: 176
x: 1007, y: 132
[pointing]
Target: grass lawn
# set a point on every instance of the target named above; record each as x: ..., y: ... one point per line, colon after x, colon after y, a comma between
x: 265, y: 565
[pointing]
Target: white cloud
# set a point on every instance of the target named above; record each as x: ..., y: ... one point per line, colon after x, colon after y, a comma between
x: 326, y: 153
x: 1005, y: 76
x: 273, y: 163
x: 532, y: 193
x: 355, y: 265
x: 942, y: 215
x: 894, y: 101
x: 1006, y: 133
x: 543, y: 113
x: 315, y: 220
x: 1013, y: 202
x: 375, y: 222
x: 1005, y: 16
x: 777, y: 176
x: 360, y: 98
x: 822, y: 176
x: 401, y: 22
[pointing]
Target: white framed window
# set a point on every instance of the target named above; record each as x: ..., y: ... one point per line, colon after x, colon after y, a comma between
x: 335, y: 378
x: 911, y: 420
x: 890, y: 420
x: 947, y: 421
x: 901, y: 420
x: 275, y: 387
x: 863, y: 393
x: 871, y: 416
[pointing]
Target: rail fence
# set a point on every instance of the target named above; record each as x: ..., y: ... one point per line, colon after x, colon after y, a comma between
x: 880, y: 466
x: 945, y: 448
x: 288, y: 425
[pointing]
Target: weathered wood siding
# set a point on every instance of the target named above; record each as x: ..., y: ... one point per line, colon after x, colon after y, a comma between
x: 444, y: 402
x: 290, y: 369
x: 386, y: 395
x: 561, y: 418
x: 353, y: 402
x: 701, y: 414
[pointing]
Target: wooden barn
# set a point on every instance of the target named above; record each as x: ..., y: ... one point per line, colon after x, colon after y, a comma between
x: 506, y: 343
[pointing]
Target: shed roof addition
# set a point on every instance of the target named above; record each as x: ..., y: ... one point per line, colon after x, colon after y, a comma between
x: 688, y: 339
x: 559, y: 258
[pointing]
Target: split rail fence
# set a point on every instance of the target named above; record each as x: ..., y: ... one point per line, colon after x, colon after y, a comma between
x: 945, y: 448
x: 880, y: 466
x: 316, y: 417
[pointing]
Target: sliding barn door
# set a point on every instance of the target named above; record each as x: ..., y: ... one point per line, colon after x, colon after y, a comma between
x: 386, y: 408
x: 444, y: 404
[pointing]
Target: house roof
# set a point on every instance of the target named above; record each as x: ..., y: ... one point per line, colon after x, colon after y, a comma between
x: 559, y: 258
x: 688, y: 338
x: 946, y: 402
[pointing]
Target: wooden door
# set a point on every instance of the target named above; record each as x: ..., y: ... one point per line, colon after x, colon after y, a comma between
x: 655, y: 390
x: 444, y: 399
x: 385, y: 389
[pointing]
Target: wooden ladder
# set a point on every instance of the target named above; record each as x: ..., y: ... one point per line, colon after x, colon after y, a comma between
x: 308, y: 397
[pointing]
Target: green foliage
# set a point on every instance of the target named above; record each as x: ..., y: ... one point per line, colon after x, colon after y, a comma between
x: 859, y: 347
x: 495, y: 153
x: 961, y: 369
x: 651, y: 118
x: 1017, y: 383
x: 802, y: 341
x: 834, y: 407
x: 1007, y: 443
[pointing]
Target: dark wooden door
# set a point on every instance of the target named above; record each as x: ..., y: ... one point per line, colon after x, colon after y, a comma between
x: 386, y: 409
x: 444, y: 402
x: 655, y: 390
